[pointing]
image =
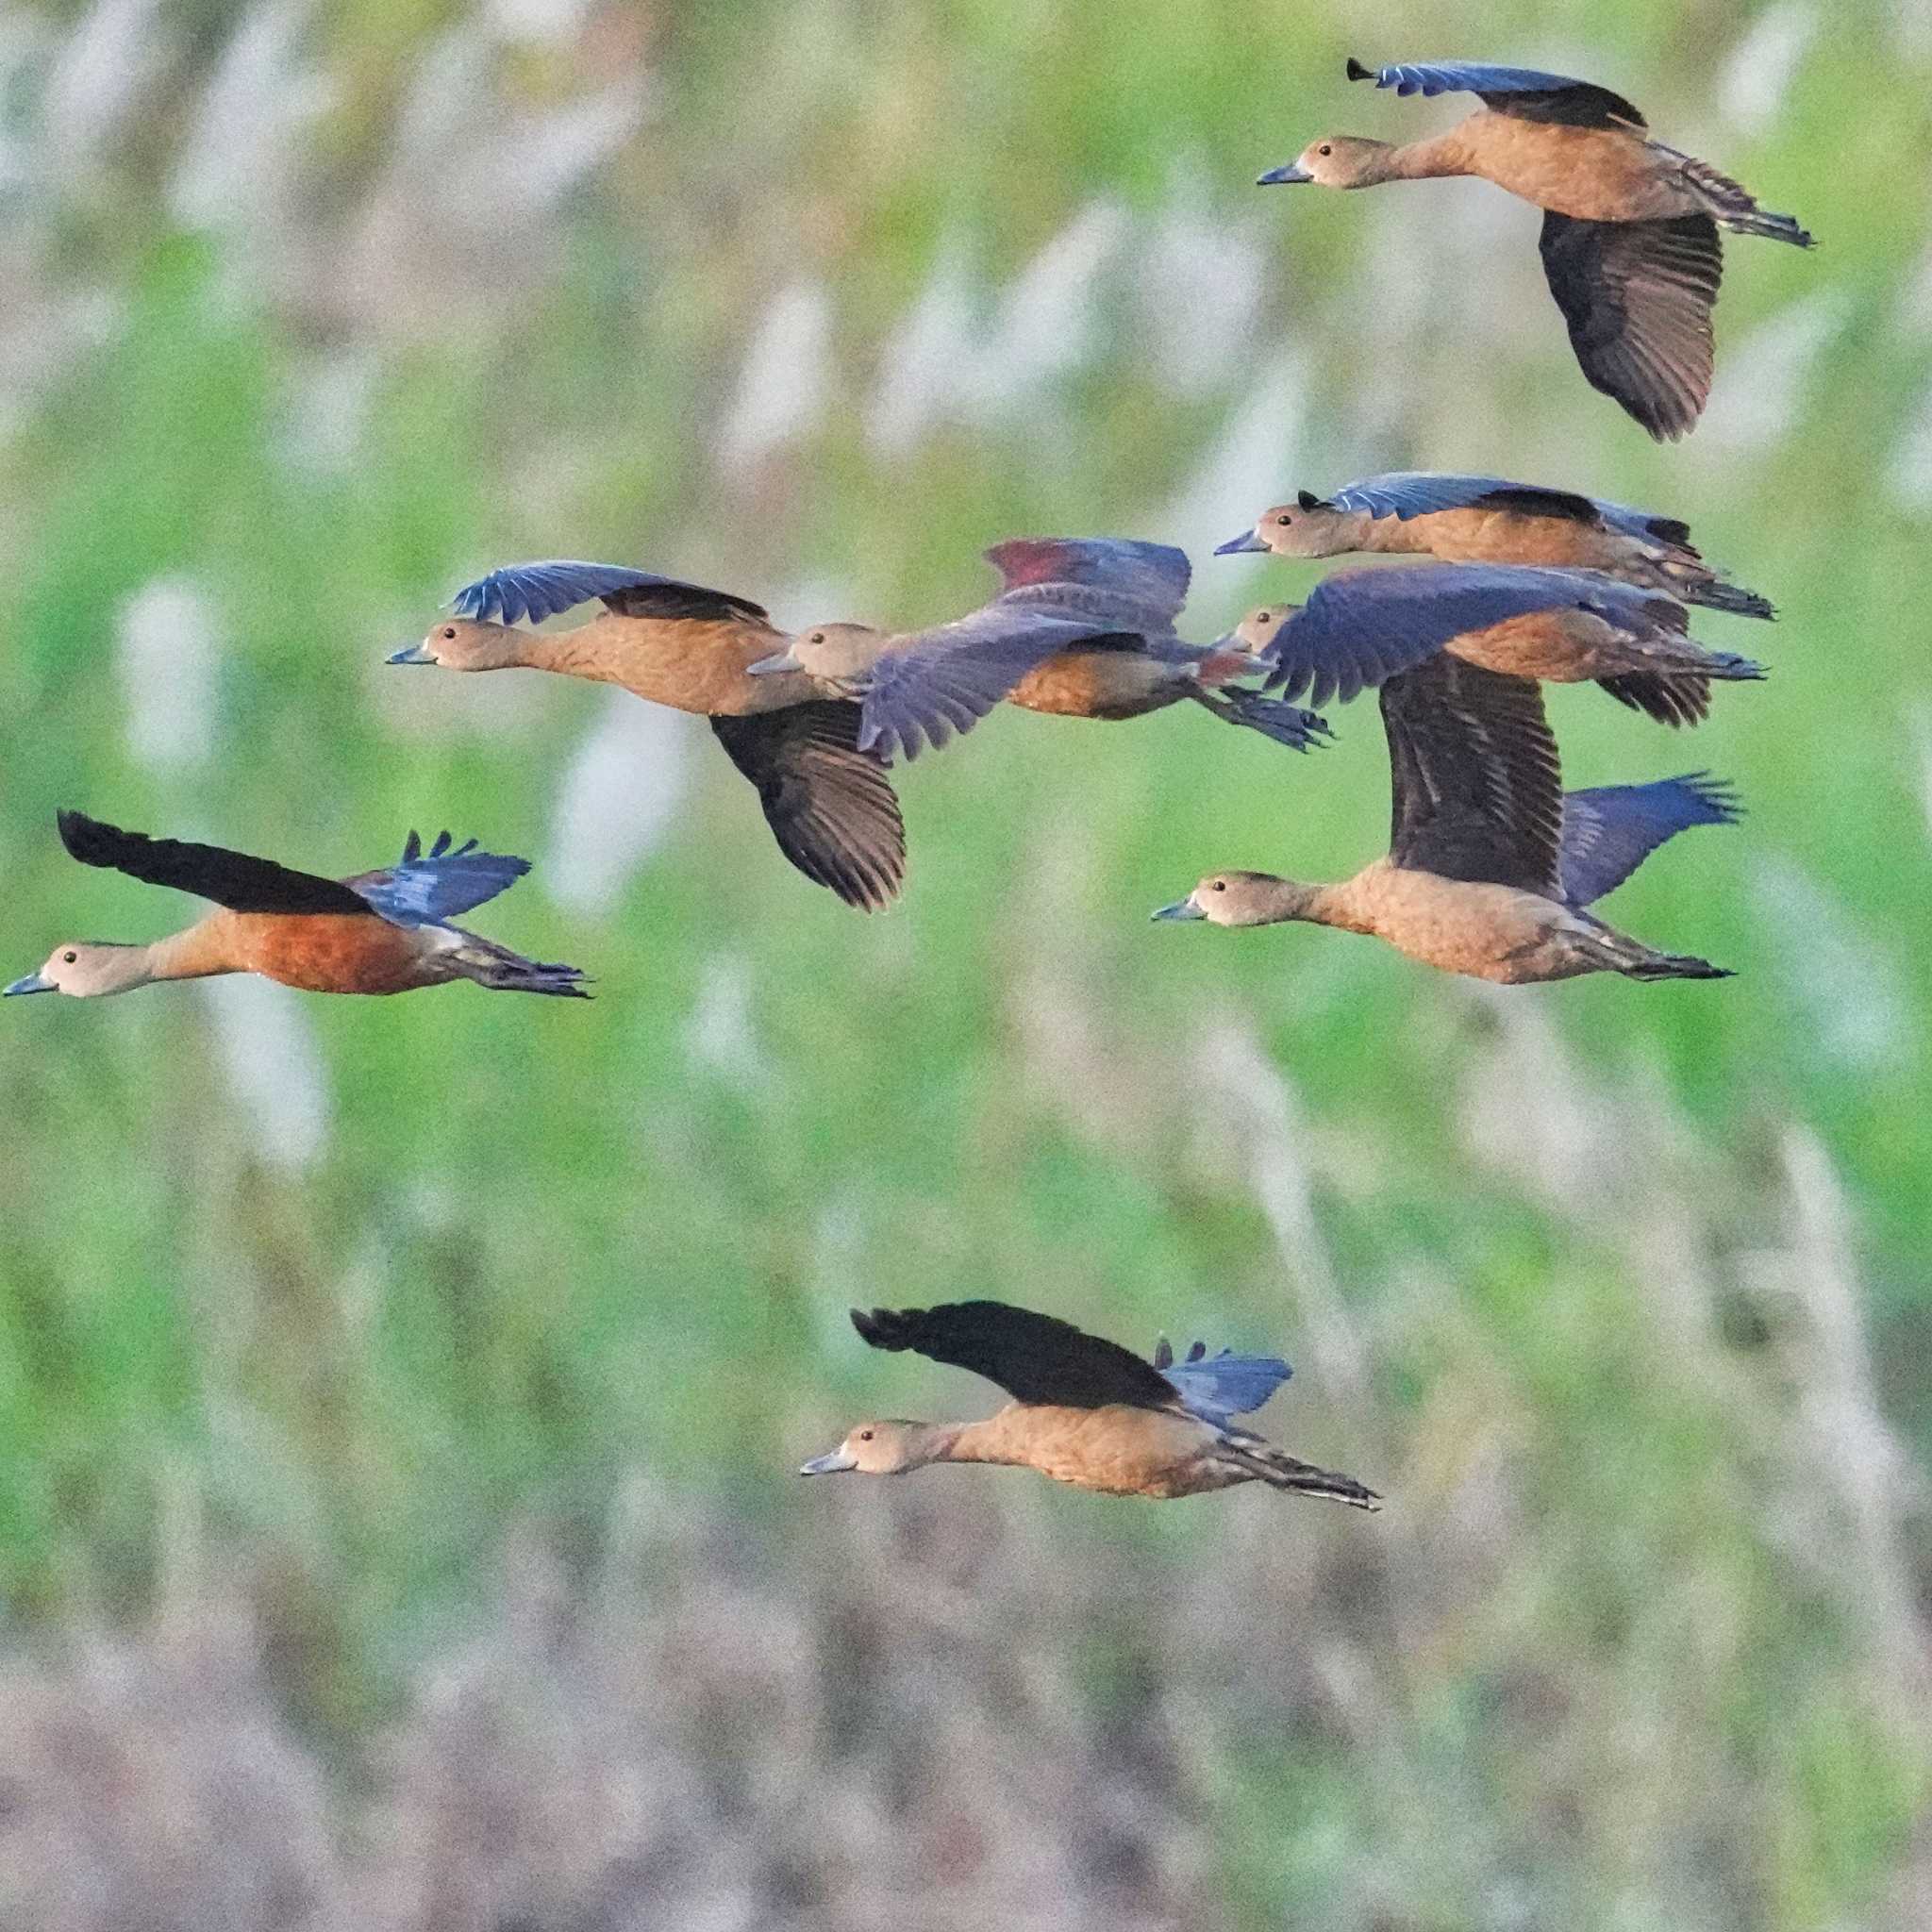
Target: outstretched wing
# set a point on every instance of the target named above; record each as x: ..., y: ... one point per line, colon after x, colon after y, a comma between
x: 537, y: 591
x: 1609, y: 830
x: 1523, y: 92
x: 1033, y: 1358
x: 1114, y: 578
x: 1478, y: 791
x: 922, y: 689
x: 234, y: 879
x: 1362, y: 626
x: 431, y: 888
x: 1637, y: 298
x: 829, y: 805
x: 1218, y: 1388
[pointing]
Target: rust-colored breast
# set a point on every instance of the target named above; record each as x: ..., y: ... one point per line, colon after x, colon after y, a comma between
x: 334, y: 953
x: 1559, y: 646
x: 1482, y: 536
x: 1097, y: 684
x: 1590, y: 173
x: 1119, y: 1450
x: 692, y: 665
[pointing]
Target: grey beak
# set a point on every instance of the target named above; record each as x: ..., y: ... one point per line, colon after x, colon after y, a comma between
x: 834, y: 1462
x: 1286, y: 175
x: 32, y: 983
x: 765, y: 667
x: 1181, y: 908
x: 409, y: 654
x: 1235, y: 545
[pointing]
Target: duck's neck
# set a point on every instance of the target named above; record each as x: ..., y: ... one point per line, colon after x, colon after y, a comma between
x: 1439, y: 157
x: 592, y: 650
x: 199, y: 952
x: 1281, y: 900
x: 982, y: 1441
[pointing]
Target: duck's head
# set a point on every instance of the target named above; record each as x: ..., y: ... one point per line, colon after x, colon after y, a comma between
x: 887, y: 1448
x: 1238, y: 898
x: 1305, y: 527
x: 839, y: 655
x: 463, y: 643
x: 1337, y: 160
x: 86, y: 969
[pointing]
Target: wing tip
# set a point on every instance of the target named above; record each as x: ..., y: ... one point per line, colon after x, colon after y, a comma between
x: 1355, y: 71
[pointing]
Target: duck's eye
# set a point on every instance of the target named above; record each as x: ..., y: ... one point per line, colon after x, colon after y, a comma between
x: 1219, y: 885
x: 818, y: 637
x: 865, y: 1435
x: 1284, y: 521
x: 1264, y: 617
x: 70, y: 958
x: 1324, y: 149
x: 449, y: 631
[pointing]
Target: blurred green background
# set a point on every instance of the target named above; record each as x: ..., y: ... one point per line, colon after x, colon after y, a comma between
x: 398, y: 1399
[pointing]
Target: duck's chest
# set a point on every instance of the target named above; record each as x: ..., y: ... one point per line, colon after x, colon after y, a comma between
x: 335, y: 953
x: 1486, y: 931
x: 1097, y: 684
x: 1119, y: 1451
x: 1588, y: 174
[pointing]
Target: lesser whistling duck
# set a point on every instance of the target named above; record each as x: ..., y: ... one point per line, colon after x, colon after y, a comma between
x: 1363, y: 626
x: 829, y: 805
x: 1084, y: 1411
x: 378, y: 932
x: 1490, y: 865
x: 1630, y: 241
x: 1487, y: 520
x: 1083, y: 627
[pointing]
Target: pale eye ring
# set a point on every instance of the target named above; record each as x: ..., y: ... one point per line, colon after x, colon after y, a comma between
x: 1284, y: 521
x: 70, y: 958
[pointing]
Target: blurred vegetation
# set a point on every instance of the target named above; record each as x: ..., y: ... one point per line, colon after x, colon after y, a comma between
x: 1619, y: 1292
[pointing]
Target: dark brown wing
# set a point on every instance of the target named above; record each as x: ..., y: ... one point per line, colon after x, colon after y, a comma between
x: 1637, y: 297
x: 666, y: 599
x: 233, y: 879
x: 830, y: 806
x: 1478, y: 793
x: 1033, y: 1358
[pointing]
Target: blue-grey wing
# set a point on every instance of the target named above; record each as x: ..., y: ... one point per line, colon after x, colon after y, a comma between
x: 945, y: 680
x: 1523, y: 91
x: 1404, y: 493
x: 1218, y: 1388
x: 434, y: 886
x: 537, y: 591
x: 1137, y: 581
x: 1361, y: 627
x: 1609, y: 830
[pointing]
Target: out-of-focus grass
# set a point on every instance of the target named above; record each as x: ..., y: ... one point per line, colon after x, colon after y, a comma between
x: 1554, y: 1290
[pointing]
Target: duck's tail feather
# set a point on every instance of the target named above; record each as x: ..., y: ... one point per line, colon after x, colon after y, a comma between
x: 1285, y: 724
x: 1280, y: 1471
x: 500, y: 970
x: 1733, y: 207
x: 1714, y: 593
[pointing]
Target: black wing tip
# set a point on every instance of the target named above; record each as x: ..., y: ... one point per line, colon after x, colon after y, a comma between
x: 882, y: 1327
x: 89, y: 839
x: 1355, y: 71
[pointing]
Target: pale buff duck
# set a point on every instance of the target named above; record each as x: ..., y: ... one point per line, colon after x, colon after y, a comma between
x: 1360, y: 626
x: 1487, y: 520
x: 379, y: 932
x: 1084, y: 1411
x: 829, y: 802
x: 1082, y: 627
x: 1490, y: 865
x: 1631, y: 243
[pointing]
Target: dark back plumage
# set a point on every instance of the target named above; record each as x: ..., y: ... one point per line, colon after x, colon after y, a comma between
x: 237, y: 880
x: 537, y: 591
x: 1034, y: 1358
x: 1526, y: 92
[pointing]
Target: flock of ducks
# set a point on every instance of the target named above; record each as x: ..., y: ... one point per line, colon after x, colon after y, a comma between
x: 1492, y: 869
